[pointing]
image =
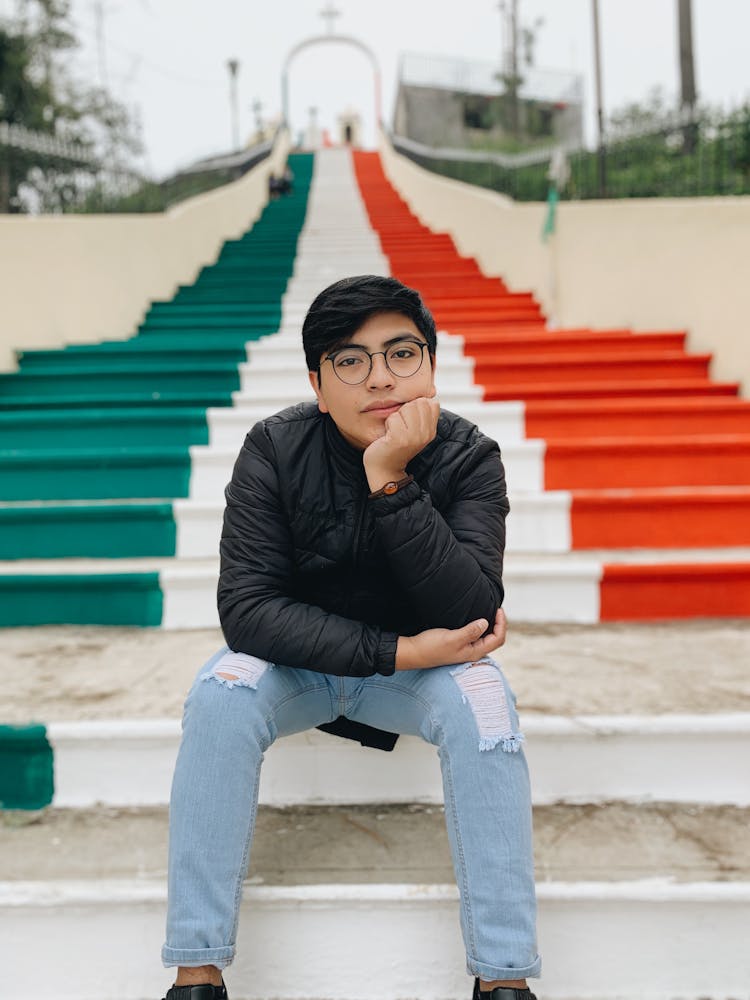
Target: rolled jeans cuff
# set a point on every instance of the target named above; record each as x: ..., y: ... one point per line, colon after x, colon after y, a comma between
x: 193, y: 957
x: 491, y: 972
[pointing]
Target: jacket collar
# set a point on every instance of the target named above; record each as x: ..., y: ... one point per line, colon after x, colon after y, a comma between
x: 346, y: 456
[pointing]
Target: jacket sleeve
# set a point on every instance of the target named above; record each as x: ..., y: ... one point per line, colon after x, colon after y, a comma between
x: 450, y: 564
x: 257, y: 615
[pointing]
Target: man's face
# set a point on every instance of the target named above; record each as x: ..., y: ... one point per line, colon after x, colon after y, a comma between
x: 360, y: 411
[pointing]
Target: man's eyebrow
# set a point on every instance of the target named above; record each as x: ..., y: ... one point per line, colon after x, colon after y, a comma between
x: 412, y: 337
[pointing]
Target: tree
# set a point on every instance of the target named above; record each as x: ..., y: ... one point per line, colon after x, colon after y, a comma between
x: 38, y: 92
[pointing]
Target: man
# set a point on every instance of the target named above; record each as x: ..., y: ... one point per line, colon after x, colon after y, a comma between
x: 360, y: 593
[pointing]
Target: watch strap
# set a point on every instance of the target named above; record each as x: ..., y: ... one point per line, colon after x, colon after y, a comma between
x: 390, y: 488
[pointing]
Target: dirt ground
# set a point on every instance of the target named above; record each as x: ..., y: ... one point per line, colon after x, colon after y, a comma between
x: 67, y: 673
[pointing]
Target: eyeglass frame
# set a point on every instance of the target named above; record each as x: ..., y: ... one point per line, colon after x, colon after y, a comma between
x: 358, y: 347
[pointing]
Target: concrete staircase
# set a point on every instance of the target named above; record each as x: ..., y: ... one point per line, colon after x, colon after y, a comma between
x: 641, y: 819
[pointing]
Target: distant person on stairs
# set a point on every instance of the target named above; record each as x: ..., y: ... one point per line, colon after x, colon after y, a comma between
x: 360, y: 593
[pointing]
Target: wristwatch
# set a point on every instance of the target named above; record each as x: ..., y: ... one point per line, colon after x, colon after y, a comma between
x: 390, y: 488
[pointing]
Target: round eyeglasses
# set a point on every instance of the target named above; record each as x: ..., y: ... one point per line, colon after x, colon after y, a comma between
x: 354, y: 364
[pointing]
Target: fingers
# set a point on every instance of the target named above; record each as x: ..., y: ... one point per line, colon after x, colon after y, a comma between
x: 501, y: 626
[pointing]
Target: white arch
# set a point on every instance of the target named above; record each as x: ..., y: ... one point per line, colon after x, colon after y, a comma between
x: 317, y: 40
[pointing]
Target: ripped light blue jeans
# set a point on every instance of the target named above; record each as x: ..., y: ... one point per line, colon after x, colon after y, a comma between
x: 240, y: 704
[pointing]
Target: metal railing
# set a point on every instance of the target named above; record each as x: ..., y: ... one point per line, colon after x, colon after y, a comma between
x: 42, y: 173
x: 686, y: 156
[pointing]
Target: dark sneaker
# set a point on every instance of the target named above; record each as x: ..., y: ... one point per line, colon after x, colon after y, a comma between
x: 203, y: 992
x: 502, y: 993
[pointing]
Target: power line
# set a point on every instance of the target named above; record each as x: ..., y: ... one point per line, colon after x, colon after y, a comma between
x: 146, y: 63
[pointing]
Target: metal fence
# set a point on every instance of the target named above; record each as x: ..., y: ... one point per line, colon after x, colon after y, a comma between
x: 684, y: 157
x: 40, y: 173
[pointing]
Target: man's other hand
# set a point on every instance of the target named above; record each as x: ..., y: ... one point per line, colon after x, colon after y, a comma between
x: 438, y: 647
x: 406, y: 433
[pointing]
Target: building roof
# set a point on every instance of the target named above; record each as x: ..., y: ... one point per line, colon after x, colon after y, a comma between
x: 473, y: 76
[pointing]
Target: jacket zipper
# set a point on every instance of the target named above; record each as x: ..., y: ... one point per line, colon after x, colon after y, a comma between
x: 358, y: 532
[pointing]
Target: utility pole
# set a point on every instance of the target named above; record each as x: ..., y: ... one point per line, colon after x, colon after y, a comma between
x: 688, y: 95
x: 509, y: 76
x: 601, y: 151
x: 101, y: 44
x: 233, y: 65
x: 257, y: 108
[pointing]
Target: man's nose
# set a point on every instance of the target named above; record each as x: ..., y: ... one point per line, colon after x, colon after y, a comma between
x: 380, y: 373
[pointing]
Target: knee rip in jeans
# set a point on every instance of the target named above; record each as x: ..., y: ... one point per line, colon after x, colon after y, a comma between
x: 482, y: 686
x: 237, y: 670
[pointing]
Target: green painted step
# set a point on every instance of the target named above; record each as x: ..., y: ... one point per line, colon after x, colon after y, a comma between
x: 222, y: 294
x: 94, y: 473
x: 26, y: 768
x: 222, y: 323
x: 80, y: 599
x: 99, y: 399
x: 92, y: 531
x: 234, y: 309
x: 22, y: 429
x: 135, y: 357
x: 175, y: 339
x: 125, y: 376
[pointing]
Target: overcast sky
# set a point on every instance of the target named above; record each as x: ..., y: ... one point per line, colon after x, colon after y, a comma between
x: 167, y: 58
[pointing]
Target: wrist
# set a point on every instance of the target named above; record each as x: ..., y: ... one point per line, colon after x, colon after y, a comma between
x: 404, y: 653
x: 378, y: 477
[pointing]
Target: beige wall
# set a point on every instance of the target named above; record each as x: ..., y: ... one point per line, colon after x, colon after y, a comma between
x: 666, y: 264
x: 83, y: 278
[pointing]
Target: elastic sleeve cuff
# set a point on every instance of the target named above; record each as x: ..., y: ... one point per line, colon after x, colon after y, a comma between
x: 386, y: 658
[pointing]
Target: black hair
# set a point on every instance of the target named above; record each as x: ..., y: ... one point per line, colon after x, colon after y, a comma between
x: 342, y: 308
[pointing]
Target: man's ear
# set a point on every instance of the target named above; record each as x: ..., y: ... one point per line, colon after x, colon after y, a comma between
x: 315, y: 383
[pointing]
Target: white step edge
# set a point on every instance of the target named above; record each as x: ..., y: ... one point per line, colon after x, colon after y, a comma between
x: 586, y: 758
x: 650, y: 939
x: 539, y: 522
x: 211, y: 468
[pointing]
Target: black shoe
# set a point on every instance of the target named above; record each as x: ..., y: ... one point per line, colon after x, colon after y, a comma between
x: 502, y: 993
x: 205, y: 991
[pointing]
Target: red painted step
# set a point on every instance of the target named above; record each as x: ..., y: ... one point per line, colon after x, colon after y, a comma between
x: 521, y: 370
x: 606, y: 463
x: 601, y: 391
x: 658, y: 592
x: 483, y: 344
x: 678, y: 518
x: 680, y: 415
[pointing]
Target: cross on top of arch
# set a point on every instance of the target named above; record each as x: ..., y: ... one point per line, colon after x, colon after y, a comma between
x: 329, y: 15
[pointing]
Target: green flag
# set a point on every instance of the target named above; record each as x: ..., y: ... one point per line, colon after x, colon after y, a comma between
x: 549, y: 222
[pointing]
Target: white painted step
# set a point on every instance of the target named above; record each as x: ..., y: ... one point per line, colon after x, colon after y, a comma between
x: 538, y: 589
x: 541, y: 588
x: 211, y: 468
x: 381, y: 942
x: 540, y: 522
x: 572, y: 759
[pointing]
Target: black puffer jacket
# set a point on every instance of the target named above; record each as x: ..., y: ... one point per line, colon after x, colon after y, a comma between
x: 316, y: 575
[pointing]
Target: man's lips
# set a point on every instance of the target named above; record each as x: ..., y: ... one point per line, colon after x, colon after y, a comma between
x: 383, y: 406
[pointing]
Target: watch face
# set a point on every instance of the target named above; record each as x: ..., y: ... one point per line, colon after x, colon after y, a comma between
x: 390, y: 488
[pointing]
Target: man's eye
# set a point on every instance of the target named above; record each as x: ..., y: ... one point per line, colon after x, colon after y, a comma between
x: 348, y: 361
x: 403, y: 352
